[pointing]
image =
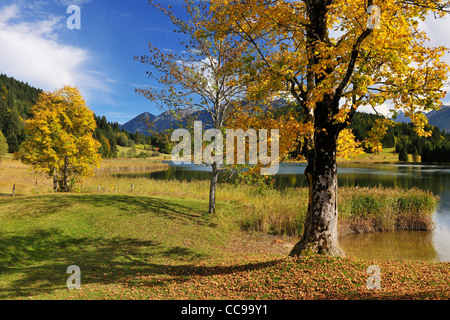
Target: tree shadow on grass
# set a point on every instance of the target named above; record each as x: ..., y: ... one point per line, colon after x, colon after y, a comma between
x: 36, y: 263
x: 131, y: 204
x: 39, y: 206
x: 5, y: 195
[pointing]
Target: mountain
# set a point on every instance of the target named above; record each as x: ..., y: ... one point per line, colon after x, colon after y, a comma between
x: 138, y: 124
x: 440, y: 118
x: 166, y: 120
x: 436, y: 118
x: 402, y: 118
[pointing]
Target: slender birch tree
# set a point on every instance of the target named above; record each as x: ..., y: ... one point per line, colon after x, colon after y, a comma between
x: 204, y: 76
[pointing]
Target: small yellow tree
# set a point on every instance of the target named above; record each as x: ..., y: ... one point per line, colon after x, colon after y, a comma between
x: 59, y: 138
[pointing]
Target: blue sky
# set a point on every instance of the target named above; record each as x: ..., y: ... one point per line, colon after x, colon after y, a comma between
x: 37, y: 47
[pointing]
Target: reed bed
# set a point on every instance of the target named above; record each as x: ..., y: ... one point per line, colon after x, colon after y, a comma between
x: 365, y: 210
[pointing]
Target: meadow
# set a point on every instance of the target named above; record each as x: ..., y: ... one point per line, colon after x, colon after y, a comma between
x: 137, y: 238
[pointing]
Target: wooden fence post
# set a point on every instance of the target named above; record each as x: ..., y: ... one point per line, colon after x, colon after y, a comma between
x: 14, y: 190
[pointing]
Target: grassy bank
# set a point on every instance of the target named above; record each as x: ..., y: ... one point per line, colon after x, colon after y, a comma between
x: 159, y: 247
x: 13, y: 172
x: 283, y: 212
x: 365, y: 210
x: 388, y: 155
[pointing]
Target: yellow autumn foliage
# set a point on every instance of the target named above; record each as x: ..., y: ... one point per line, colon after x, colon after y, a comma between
x: 59, y: 136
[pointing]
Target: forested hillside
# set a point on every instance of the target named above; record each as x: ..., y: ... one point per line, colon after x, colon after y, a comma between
x: 110, y: 136
x: 16, y: 100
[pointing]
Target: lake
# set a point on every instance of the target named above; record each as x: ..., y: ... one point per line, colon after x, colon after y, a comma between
x: 416, y: 245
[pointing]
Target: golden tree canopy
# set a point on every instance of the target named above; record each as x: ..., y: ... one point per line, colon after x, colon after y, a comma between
x: 59, y: 135
x: 362, y: 56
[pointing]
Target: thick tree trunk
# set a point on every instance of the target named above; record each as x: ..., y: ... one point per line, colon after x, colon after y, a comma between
x: 320, y: 231
x: 212, y: 188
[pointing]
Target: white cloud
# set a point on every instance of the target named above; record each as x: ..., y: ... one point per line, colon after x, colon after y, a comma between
x: 437, y: 32
x: 383, y: 109
x: 31, y: 52
x: 143, y: 86
x: 67, y: 3
x: 8, y: 13
x: 110, y: 80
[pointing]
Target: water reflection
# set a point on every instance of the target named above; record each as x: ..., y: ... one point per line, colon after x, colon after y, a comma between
x: 415, y: 245
x: 419, y: 245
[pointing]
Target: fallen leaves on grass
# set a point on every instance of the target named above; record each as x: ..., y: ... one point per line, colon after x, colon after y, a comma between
x: 314, y: 277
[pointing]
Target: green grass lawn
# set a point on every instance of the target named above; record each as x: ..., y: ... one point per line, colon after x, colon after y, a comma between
x: 130, y: 152
x: 110, y: 237
x: 158, y: 247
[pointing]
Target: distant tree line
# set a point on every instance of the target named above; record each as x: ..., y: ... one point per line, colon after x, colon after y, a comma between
x: 110, y: 136
x: 106, y: 134
x: 403, y: 138
x: 17, y: 98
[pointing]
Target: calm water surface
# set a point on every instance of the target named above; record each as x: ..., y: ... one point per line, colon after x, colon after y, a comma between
x: 417, y: 245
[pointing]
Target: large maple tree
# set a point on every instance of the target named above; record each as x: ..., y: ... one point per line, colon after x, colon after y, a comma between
x: 333, y: 56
